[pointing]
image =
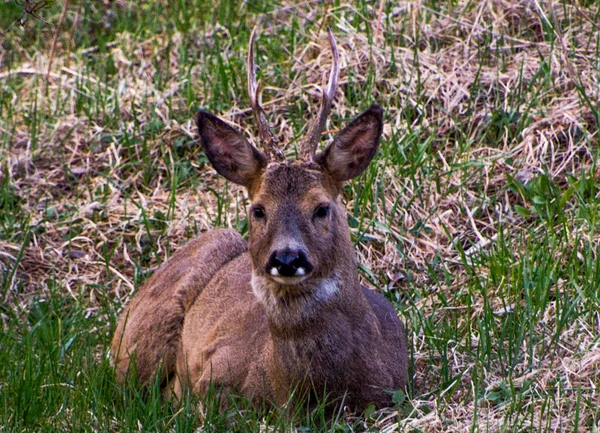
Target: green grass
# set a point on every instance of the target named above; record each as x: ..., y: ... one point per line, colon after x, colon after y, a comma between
x: 479, y: 218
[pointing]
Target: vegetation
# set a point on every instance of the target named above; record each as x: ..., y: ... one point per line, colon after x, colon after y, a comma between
x: 479, y: 219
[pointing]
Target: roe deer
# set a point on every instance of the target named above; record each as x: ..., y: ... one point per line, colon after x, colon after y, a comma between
x: 285, y: 312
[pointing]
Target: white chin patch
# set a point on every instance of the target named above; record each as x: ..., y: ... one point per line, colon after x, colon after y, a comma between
x: 287, y: 281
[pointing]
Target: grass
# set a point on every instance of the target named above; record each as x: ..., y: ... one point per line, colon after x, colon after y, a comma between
x: 479, y: 218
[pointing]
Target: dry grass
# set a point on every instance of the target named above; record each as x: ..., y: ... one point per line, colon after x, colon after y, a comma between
x: 493, y: 91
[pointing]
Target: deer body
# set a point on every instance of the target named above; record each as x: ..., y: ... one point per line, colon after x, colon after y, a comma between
x: 286, y: 313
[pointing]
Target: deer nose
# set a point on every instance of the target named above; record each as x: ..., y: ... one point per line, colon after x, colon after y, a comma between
x: 288, y: 263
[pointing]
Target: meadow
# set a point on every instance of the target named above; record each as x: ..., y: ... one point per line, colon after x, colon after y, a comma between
x: 479, y: 218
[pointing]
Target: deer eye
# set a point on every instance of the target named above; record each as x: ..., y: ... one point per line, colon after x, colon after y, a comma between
x: 322, y: 211
x: 258, y: 212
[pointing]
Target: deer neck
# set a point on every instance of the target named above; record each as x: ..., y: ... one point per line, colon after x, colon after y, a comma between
x: 314, y: 329
x: 298, y: 310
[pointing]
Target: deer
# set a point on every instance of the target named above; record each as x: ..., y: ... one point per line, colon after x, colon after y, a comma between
x: 284, y: 312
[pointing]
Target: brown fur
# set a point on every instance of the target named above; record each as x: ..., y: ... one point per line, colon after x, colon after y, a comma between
x: 213, y: 314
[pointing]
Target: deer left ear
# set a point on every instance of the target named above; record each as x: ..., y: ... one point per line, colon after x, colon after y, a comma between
x: 354, y: 147
x: 228, y: 151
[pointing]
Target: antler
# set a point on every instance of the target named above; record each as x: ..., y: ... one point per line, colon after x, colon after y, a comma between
x: 264, y: 130
x: 310, y: 144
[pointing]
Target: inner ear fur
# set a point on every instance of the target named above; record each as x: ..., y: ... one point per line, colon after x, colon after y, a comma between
x: 354, y: 147
x: 228, y: 151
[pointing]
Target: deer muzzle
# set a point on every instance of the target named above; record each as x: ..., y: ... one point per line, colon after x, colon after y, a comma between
x: 288, y: 263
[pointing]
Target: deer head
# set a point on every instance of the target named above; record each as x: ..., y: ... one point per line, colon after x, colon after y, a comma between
x: 298, y: 232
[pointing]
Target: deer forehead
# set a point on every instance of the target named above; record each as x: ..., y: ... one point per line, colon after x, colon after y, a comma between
x: 287, y: 182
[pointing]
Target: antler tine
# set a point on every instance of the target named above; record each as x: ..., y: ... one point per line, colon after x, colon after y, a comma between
x: 264, y: 130
x: 311, y: 142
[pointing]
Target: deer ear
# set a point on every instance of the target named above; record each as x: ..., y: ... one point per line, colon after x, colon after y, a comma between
x: 354, y: 147
x: 228, y: 151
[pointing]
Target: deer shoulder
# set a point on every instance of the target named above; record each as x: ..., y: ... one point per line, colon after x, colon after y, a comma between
x: 149, y: 330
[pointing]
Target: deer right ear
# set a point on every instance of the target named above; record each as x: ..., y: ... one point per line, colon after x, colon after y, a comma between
x: 228, y: 151
x: 354, y: 147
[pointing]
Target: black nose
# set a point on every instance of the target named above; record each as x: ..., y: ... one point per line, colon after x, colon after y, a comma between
x: 288, y: 263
